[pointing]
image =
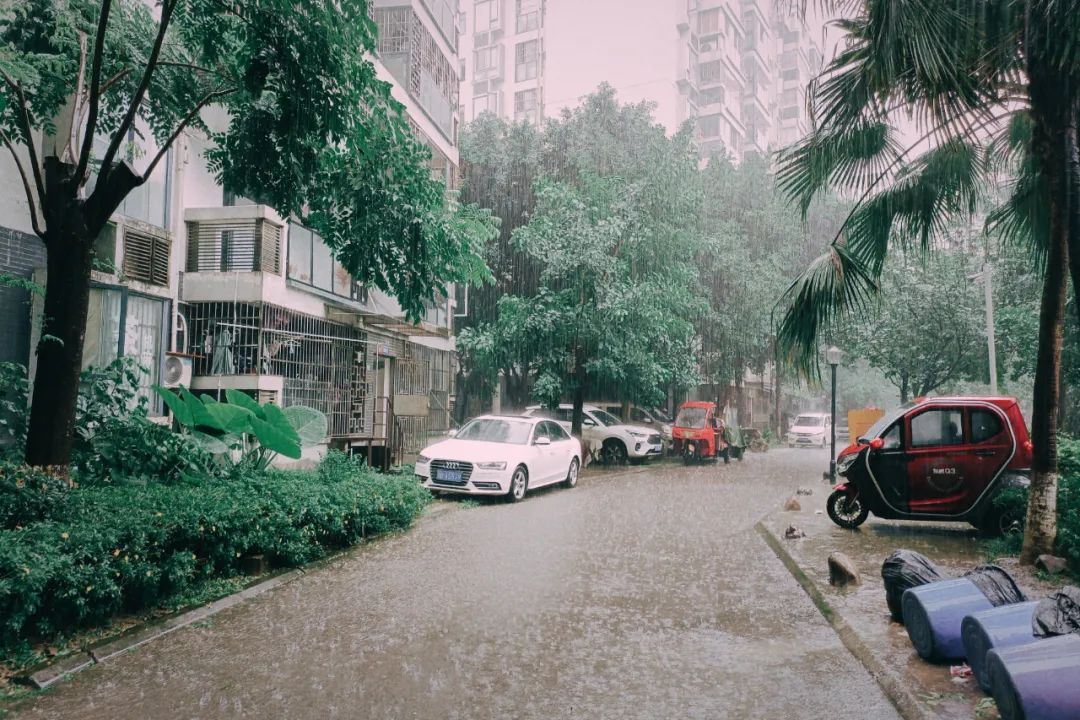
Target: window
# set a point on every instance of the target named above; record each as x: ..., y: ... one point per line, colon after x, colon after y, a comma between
x: 792, y: 74
x: 146, y: 258
x: 525, y: 105
x: 528, y: 15
x: 711, y: 72
x: 937, y: 427
x: 709, y: 22
x: 120, y: 323
x: 892, y: 438
x: 526, y: 56
x: 789, y: 112
x: 487, y: 15
x: 558, y: 433
x: 300, y: 253
x: 985, y: 425
x: 486, y: 60
x: 713, y: 95
x: 541, y: 431
x: 486, y: 103
x: 638, y: 415
x: 709, y: 125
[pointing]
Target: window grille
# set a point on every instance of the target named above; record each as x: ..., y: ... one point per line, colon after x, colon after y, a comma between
x: 146, y: 257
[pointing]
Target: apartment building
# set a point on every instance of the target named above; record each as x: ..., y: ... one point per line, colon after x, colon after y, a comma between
x: 227, y: 294
x: 503, y: 56
x: 746, y: 70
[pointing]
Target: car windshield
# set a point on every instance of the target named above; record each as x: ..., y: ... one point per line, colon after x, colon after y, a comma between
x: 885, y: 421
x: 691, y: 417
x: 498, y: 430
x: 606, y: 418
x: 809, y: 421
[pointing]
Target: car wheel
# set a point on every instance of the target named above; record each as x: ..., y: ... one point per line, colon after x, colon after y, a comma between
x: 519, y: 485
x: 613, y: 452
x: 572, y: 475
x: 999, y: 521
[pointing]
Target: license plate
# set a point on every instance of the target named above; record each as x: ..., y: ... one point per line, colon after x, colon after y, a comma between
x: 448, y: 475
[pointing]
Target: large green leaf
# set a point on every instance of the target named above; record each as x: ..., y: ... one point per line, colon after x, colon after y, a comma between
x: 209, y: 443
x: 276, y: 433
x: 231, y: 418
x: 242, y: 399
x: 199, y: 415
x: 310, y: 424
x: 181, y: 412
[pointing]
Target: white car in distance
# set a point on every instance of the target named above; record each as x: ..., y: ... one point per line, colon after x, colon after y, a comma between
x: 609, y: 439
x: 501, y: 455
x: 810, y: 430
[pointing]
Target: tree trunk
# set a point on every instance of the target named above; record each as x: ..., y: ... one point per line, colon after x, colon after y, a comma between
x: 903, y: 389
x: 59, y: 351
x: 1053, y: 143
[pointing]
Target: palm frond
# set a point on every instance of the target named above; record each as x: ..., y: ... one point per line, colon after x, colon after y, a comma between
x: 834, y: 285
x: 849, y: 159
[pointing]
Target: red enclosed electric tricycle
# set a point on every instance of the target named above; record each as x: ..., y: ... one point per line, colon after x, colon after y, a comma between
x: 698, y: 433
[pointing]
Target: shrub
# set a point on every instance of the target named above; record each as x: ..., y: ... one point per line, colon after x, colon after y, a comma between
x: 115, y: 547
x: 138, y: 450
x: 28, y: 495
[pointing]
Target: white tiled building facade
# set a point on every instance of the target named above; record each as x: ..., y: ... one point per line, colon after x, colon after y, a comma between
x: 256, y: 302
x: 503, y: 56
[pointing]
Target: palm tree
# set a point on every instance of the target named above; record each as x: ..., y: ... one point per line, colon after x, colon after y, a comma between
x: 991, y: 86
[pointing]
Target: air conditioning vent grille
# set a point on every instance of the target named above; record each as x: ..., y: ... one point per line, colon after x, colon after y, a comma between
x: 146, y: 257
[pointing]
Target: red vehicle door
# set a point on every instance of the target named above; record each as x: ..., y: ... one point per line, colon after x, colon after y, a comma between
x: 992, y: 445
x: 944, y: 474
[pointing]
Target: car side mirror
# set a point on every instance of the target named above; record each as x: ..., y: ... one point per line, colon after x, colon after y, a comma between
x: 877, y: 443
x: 542, y: 441
x: 451, y: 433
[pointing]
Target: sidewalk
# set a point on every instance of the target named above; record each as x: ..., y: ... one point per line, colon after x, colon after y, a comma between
x: 920, y: 690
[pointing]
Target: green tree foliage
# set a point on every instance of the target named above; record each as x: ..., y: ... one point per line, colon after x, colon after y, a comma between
x: 603, y: 283
x: 993, y: 87
x: 308, y: 128
x: 927, y: 328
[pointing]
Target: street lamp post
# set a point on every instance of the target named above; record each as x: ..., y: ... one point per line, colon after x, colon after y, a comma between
x: 832, y: 356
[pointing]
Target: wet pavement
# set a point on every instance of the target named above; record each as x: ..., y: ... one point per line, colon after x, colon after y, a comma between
x: 641, y: 595
x: 954, y: 547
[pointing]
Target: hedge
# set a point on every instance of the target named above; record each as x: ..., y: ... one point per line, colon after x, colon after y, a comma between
x: 76, y: 557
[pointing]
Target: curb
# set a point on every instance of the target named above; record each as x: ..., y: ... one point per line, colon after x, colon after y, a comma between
x: 890, y: 682
x: 105, y: 651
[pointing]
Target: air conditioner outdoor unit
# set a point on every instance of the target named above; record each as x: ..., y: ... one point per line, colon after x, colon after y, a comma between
x: 177, y: 371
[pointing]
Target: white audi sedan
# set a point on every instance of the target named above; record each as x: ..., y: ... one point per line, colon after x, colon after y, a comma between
x: 501, y: 455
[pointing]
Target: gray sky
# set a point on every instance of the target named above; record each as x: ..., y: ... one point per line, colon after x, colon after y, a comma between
x: 631, y: 44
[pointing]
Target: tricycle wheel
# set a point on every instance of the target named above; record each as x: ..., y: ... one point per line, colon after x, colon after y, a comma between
x: 846, y: 510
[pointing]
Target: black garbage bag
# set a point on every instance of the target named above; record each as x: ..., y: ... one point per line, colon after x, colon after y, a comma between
x: 1058, y: 613
x: 905, y: 569
x: 996, y: 584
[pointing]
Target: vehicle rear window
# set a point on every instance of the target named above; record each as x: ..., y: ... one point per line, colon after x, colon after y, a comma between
x: 985, y: 425
x: 937, y: 427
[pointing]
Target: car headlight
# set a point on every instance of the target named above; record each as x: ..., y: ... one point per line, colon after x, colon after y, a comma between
x: 422, y: 460
x: 491, y: 466
x: 845, y: 463
x: 639, y: 434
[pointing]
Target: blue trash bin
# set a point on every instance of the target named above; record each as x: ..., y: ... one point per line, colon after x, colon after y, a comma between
x: 1001, y: 627
x: 1037, y: 681
x: 933, y: 614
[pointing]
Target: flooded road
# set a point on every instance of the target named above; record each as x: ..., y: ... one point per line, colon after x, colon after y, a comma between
x: 647, y: 595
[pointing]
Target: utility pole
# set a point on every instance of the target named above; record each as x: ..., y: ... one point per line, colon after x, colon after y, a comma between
x: 988, y: 274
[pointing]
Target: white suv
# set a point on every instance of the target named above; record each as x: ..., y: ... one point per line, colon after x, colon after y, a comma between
x: 607, y: 439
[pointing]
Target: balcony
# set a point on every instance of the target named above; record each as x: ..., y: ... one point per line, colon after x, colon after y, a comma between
x: 233, y: 239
